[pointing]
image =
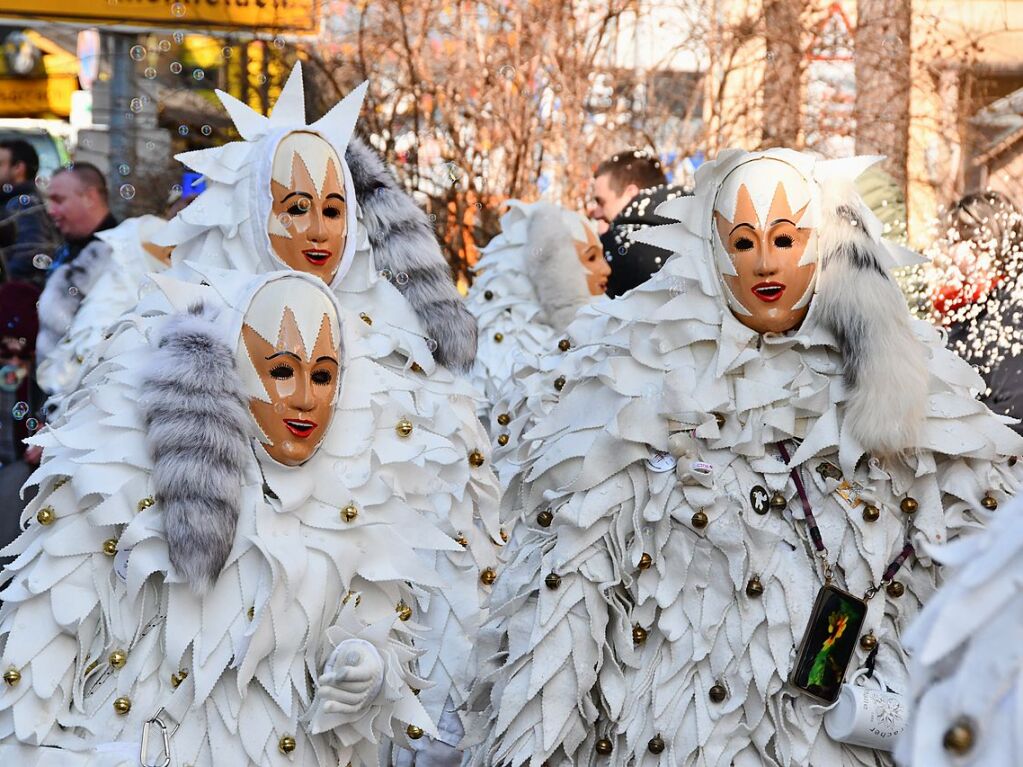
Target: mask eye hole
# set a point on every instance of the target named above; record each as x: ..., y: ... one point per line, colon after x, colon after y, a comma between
x: 282, y: 372
x: 783, y: 241
x: 743, y: 244
x: 321, y: 377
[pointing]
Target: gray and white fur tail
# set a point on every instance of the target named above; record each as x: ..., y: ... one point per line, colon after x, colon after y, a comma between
x: 198, y: 427
x: 403, y: 241
x: 885, y: 367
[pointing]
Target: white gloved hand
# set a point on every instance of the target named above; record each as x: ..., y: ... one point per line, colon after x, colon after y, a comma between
x: 351, y: 678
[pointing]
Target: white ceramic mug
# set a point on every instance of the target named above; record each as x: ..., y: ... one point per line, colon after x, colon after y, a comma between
x: 864, y: 716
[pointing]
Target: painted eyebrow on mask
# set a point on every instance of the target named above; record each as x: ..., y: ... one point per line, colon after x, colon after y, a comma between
x: 327, y: 359
x: 335, y: 196
x: 782, y: 221
x: 284, y: 353
x: 296, y: 194
x: 738, y: 226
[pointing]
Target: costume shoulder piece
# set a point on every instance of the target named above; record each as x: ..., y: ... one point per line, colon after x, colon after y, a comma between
x: 664, y: 567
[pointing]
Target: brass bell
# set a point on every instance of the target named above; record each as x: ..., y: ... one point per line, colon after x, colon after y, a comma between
x: 498, y: 337
x: 414, y: 732
x: 559, y: 383
x: 989, y: 502
x: 404, y: 611
x: 638, y: 634
x: 365, y: 318
x: 404, y: 427
x: 564, y: 344
x: 286, y: 744
x: 488, y: 576
x: 462, y: 541
x: 552, y: 581
x: 488, y: 294
x: 502, y: 440
x: 415, y: 367
x: 348, y: 595
x: 895, y: 589
x: 178, y: 678
x: 110, y: 547
x: 720, y: 419
x: 544, y: 518
x: 1012, y: 460
x: 45, y: 515
x: 656, y: 745
x: 349, y: 513
x: 959, y: 737
x: 251, y: 612
x: 645, y: 561
x: 118, y: 658
x: 909, y: 505
x: 504, y: 535
x: 700, y: 520
x: 64, y: 480
x: 476, y: 459
x: 717, y: 693
x: 871, y: 513
x: 779, y: 501
x: 604, y: 747
x: 12, y: 676
x: 122, y: 705
x: 145, y: 503
x: 504, y: 419
x: 868, y: 641
x: 754, y: 588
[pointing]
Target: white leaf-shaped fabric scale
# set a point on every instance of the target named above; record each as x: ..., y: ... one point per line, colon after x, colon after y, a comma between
x: 667, y: 571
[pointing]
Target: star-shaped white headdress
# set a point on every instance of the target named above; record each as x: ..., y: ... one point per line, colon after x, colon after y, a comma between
x: 226, y: 225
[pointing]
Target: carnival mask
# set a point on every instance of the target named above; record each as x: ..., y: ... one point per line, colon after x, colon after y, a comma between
x: 767, y: 248
x: 308, y: 218
x: 290, y: 355
x: 591, y: 256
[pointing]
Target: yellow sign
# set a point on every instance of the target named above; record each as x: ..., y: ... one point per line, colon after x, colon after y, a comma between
x: 37, y: 97
x: 273, y: 16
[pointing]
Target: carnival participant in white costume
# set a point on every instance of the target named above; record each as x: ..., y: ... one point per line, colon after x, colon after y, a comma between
x: 727, y: 509
x: 236, y: 595
x: 965, y: 669
x: 283, y: 197
x: 533, y: 277
x: 115, y: 292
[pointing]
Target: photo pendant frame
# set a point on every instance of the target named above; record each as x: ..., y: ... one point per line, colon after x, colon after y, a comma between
x: 828, y: 643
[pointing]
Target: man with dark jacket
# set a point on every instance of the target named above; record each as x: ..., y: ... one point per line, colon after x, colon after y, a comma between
x: 23, y: 208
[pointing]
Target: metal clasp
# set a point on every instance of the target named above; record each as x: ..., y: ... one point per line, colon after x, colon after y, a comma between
x: 164, y: 732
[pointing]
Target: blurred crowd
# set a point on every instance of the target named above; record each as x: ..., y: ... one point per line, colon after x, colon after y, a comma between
x: 52, y: 252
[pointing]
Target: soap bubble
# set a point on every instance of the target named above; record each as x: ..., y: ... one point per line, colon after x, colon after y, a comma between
x: 164, y: 45
x: 175, y: 67
x: 41, y: 261
x: 285, y: 220
x: 401, y: 278
x: 72, y: 291
x: 431, y: 344
x: 206, y: 130
x: 198, y: 74
x: 24, y: 199
x: 176, y: 189
x: 32, y: 424
x: 127, y: 191
x: 385, y: 274
x: 8, y: 188
x: 507, y: 72
x: 303, y: 204
x: 226, y: 52
x: 150, y: 73
x: 137, y: 52
x: 135, y: 105
x: 278, y: 42
x: 20, y: 410
x: 182, y: 130
x: 124, y: 169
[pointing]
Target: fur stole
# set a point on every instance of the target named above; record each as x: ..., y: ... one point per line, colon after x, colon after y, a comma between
x: 197, y: 428
x: 65, y: 290
x: 403, y: 241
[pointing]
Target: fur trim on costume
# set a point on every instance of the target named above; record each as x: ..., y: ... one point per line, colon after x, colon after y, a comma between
x: 884, y: 367
x: 64, y: 292
x: 198, y: 435
x: 403, y: 242
x: 554, y: 267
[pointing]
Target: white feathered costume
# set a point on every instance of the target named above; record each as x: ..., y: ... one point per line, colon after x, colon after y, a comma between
x: 115, y: 292
x: 649, y: 614
x: 227, y: 228
x: 966, y: 672
x: 529, y: 286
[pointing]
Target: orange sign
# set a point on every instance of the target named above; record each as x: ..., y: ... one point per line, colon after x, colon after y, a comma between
x: 37, y: 97
x: 290, y: 16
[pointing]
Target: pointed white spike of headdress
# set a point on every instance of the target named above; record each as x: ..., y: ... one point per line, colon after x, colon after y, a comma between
x: 670, y: 237
x: 850, y: 168
x: 903, y: 256
x: 290, y: 107
x: 339, y: 123
x: 682, y: 209
x: 249, y: 123
x: 183, y: 295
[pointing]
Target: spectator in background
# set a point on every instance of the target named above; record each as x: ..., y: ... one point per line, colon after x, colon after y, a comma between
x: 22, y: 207
x: 979, y: 298
x: 78, y: 205
x: 627, y: 189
